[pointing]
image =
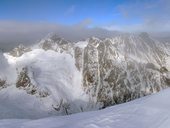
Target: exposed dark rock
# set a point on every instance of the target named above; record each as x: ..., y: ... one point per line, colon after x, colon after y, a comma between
x: 19, y: 51
x: 23, y: 79
x: 24, y: 82
x: 2, y: 83
x: 163, y: 69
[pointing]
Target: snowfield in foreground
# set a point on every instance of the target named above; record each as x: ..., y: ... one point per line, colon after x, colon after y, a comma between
x: 149, y: 112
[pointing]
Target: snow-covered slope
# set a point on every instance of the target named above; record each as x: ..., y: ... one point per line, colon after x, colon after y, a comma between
x: 47, y: 82
x: 57, y: 77
x: 148, y: 112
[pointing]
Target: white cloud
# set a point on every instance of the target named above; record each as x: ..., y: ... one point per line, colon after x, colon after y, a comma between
x: 153, y: 16
x: 70, y: 10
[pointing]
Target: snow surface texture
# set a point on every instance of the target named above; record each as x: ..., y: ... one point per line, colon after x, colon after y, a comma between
x: 56, y: 77
x: 148, y: 112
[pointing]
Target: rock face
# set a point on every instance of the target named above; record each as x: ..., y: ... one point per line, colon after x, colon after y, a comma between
x: 24, y: 82
x: 53, y: 42
x: 113, y: 71
x: 2, y: 84
x: 20, y: 50
x: 123, y: 68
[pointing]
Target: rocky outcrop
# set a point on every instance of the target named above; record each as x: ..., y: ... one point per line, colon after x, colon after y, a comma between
x: 20, y: 50
x: 24, y: 82
x: 53, y: 42
x: 3, y: 84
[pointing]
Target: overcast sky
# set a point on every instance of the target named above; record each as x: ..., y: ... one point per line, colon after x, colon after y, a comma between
x: 29, y: 20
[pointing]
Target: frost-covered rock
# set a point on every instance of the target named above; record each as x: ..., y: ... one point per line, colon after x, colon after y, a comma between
x: 123, y: 68
x: 20, y: 50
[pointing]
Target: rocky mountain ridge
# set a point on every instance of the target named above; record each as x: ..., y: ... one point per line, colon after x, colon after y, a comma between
x: 102, y: 72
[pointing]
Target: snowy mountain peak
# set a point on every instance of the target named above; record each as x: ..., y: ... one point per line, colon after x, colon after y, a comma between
x: 62, y: 77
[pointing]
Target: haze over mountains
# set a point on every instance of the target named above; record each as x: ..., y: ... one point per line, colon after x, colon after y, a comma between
x: 74, y: 33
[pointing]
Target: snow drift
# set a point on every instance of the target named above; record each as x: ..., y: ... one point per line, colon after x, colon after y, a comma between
x: 148, y: 112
